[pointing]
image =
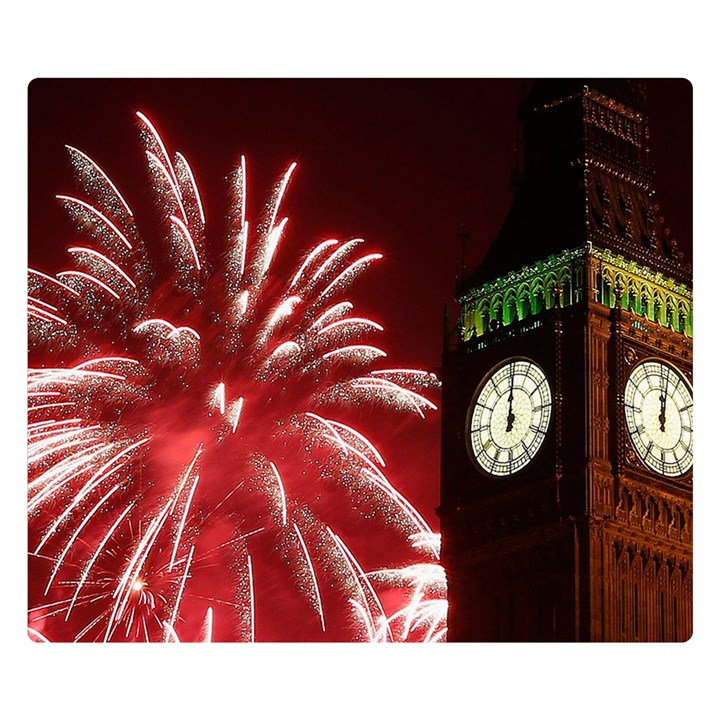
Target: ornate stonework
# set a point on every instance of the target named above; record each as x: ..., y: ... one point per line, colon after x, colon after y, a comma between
x: 520, y: 294
x: 586, y: 542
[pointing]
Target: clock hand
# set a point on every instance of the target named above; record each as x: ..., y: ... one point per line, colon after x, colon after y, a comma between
x: 510, y: 417
x: 663, y: 404
x: 661, y: 417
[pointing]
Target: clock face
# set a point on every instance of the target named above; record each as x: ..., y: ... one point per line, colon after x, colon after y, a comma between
x: 659, y: 416
x: 509, y: 418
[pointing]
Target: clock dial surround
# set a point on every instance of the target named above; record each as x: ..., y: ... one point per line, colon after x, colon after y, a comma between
x: 659, y: 416
x: 509, y: 417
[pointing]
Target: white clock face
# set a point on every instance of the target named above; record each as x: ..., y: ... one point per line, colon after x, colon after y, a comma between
x: 509, y: 418
x: 659, y: 416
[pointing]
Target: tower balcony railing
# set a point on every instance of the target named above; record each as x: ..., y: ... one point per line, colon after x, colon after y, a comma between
x: 581, y: 273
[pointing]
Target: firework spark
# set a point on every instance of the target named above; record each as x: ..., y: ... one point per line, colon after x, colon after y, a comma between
x: 190, y: 428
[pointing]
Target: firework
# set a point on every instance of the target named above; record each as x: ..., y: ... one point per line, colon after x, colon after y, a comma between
x: 191, y: 429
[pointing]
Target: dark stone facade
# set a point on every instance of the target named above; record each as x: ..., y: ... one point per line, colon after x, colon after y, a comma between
x: 585, y: 543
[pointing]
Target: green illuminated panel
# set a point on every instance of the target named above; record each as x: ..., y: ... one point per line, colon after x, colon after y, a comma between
x: 532, y: 289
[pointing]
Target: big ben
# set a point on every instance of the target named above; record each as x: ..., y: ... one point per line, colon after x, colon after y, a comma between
x: 567, y: 437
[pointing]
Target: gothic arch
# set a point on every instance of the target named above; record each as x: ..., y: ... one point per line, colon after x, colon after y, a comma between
x: 496, y: 308
x: 550, y: 282
x: 684, y: 318
x: 537, y: 295
x: 565, y: 282
x: 509, y: 309
x: 524, y: 300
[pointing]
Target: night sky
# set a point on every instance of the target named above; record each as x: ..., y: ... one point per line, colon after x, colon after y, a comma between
x: 404, y: 164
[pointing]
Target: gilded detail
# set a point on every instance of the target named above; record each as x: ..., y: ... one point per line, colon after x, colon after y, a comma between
x: 643, y: 292
x: 607, y: 275
x: 522, y: 293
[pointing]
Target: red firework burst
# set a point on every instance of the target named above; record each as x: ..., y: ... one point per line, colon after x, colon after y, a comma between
x: 191, y: 428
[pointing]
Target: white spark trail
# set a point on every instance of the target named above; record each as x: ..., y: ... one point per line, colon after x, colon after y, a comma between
x: 336, y: 256
x: 96, y: 555
x: 207, y: 630
x: 183, y: 582
x: 346, y: 274
x: 46, y: 315
x: 312, y: 574
x: 105, y: 259
x: 189, y: 171
x: 338, y: 310
x: 134, y: 567
x: 360, y: 578
x: 182, y: 227
x: 90, y: 278
x: 283, y: 499
x: 161, y: 145
x: 186, y: 509
x: 351, y: 321
x: 102, y: 473
x: 356, y: 349
x: 316, y: 252
x: 77, y: 532
x: 109, y: 223
x: 252, y: 598
x: 99, y: 170
x: 60, y: 285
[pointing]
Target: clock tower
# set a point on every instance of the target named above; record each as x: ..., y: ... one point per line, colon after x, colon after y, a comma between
x: 567, y: 401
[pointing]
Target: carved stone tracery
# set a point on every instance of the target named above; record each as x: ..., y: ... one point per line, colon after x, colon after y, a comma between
x: 526, y: 292
x: 654, y: 511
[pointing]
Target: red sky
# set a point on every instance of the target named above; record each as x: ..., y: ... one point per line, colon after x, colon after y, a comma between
x: 403, y: 164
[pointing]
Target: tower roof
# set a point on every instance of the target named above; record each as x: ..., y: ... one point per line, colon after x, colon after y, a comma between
x: 585, y: 178
x: 631, y: 94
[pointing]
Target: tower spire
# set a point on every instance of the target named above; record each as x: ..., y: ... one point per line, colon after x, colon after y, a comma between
x: 567, y: 407
x: 586, y: 177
